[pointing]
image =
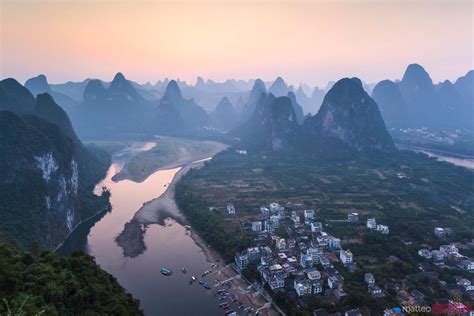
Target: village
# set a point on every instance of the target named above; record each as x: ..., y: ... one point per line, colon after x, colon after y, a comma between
x: 294, y: 255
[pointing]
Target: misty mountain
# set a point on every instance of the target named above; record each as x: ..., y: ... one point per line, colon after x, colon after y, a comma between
x: 279, y: 87
x: 296, y: 108
x: 191, y: 114
x: 351, y: 116
x: 416, y: 102
x: 272, y: 126
x: 47, y: 174
x: 39, y: 84
x: 253, y: 98
x: 105, y: 112
x: 224, y: 116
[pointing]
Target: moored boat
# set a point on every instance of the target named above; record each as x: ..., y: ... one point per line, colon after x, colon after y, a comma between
x: 166, y: 271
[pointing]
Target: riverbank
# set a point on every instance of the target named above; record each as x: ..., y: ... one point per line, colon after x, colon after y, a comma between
x: 168, y: 153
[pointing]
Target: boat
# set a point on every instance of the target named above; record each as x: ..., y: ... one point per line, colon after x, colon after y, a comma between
x: 166, y: 271
x: 184, y: 270
x: 193, y: 278
x: 201, y: 282
x: 206, y: 286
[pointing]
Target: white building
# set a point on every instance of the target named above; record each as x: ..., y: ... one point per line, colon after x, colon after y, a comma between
x: 230, y: 208
x: 280, y: 244
x: 315, y: 253
x: 275, y: 221
x: 253, y: 254
x: 383, y: 229
x: 335, y: 281
x: 295, y: 218
x: 439, y: 232
x: 345, y: 256
x: 334, y: 243
x: 371, y: 223
x: 308, y: 215
x: 313, y: 274
x: 275, y: 207
x: 302, y: 287
x: 257, y: 226
x: 316, y: 227
x: 242, y: 261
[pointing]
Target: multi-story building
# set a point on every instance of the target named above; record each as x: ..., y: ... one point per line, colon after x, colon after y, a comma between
x: 302, y: 287
x: 241, y: 261
x: 264, y: 211
x: 308, y: 215
x: 334, y: 243
x: 315, y: 253
x: 316, y: 227
x: 306, y: 261
x: 295, y: 218
x: 317, y: 286
x: 334, y: 281
x: 257, y: 226
x: 345, y: 256
x: 253, y: 254
x: 313, y: 274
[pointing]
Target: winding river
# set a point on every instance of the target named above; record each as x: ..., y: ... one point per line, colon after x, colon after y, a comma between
x: 166, y: 245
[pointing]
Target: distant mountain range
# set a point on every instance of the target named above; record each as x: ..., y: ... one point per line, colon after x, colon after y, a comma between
x: 126, y: 107
x: 47, y: 174
x: 416, y: 102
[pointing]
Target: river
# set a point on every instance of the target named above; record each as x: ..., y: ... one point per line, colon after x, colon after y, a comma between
x: 166, y: 245
x: 455, y: 159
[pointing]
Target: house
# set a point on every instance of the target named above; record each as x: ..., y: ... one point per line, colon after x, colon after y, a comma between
x: 308, y: 215
x: 275, y: 207
x: 371, y: 223
x: 335, y: 281
x: 425, y: 253
x: 345, y: 256
x: 280, y: 244
x: 295, y: 218
x: 306, y: 261
x: 313, y: 274
x: 437, y: 255
x: 324, y: 261
x: 253, y: 254
x: 334, y: 243
x: 276, y: 283
x: 448, y: 249
x: 264, y: 211
x: 369, y: 278
x: 241, y: 261
x: 230, y: 209
x: 439, y: 232
x: 353, y: 217
x: 257, y: 226
x: 383, y: 229
x: 315, y: 253
x: 302, y: 286
x: 317, y: 286
x: 374, y: 289
x: 275, y: 221
x: 467, y: 265
x: 316, y: 227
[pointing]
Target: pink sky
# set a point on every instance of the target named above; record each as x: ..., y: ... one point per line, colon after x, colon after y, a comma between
x: 312, y: 42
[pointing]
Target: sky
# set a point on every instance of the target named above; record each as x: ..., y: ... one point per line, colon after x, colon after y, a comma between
x: 313, y: 42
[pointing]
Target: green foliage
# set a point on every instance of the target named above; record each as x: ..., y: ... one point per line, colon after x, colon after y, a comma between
x: 54, y: 285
